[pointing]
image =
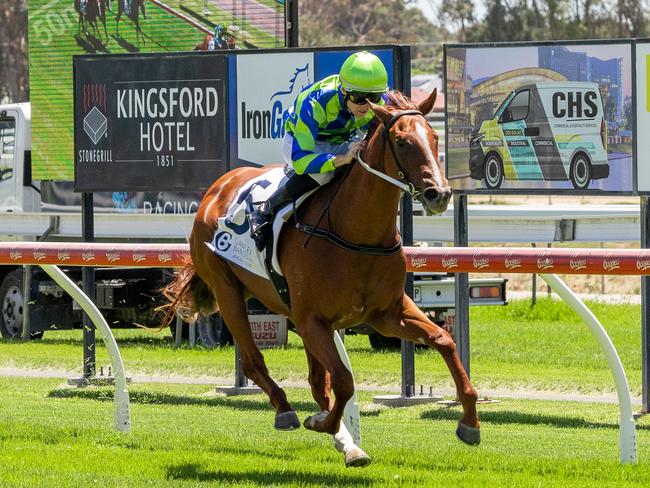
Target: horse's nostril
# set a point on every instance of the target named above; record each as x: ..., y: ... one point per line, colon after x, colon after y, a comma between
x: 431, y: 194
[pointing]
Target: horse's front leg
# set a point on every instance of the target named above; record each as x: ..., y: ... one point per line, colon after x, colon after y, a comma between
x: 411, y: 324
x: 318, y: 339
x: 320, y: 382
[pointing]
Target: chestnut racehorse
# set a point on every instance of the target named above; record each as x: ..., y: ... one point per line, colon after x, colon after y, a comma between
x: 331, y: 287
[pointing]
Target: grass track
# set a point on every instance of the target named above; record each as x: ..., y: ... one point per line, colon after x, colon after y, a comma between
x: 184, y: 435
x: 545, y: 347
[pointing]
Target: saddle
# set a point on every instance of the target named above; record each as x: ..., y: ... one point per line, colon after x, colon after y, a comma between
x: 232, y: 240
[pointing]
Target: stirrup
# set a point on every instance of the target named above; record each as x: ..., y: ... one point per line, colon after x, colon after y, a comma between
x: 261, y: 234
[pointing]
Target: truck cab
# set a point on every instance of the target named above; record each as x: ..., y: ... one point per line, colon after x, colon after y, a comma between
x: 17, y: 191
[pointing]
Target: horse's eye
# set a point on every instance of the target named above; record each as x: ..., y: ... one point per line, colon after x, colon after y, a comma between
x: 400, y: 142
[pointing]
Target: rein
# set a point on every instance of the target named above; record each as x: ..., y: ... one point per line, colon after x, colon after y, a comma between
x: 404, y: 185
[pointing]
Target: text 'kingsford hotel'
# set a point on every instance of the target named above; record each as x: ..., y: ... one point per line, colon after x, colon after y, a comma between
x: 160, y: 110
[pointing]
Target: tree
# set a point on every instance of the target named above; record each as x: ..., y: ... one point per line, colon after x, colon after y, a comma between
x: 347, y: 22
x: 459, y: 13
x: 14, y: 82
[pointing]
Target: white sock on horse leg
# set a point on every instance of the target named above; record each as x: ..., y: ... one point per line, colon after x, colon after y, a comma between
x: 343, y: 440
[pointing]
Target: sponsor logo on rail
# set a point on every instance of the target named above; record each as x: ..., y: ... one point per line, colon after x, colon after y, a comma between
x: 479, y: 262
x: 138, y: 257
x: 512, y: 262
x: 642, y: 264
x: 113, y: 256
x: 417, y: 262
x: 544, y: 263
x: 449, y: 262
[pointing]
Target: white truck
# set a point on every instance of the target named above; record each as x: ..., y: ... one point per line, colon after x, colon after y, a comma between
x: 126, y: 296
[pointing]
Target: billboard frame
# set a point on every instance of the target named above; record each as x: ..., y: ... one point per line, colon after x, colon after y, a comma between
x: 544, y: 191
x: 230, y: 95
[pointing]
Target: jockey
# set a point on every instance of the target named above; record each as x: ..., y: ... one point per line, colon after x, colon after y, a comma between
x: 218, y: 40
x: 319, y: 129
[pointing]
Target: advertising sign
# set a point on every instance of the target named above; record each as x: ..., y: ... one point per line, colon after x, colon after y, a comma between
x: 643, y: 115
x: 269, y: 330
x: 545, y: 118
x: 261, y: 106
x: 257, y: 125
x: 59, y: 29
x: 150, y: 123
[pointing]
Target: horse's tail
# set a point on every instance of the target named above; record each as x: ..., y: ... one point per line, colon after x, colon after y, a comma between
x: 188, y: 296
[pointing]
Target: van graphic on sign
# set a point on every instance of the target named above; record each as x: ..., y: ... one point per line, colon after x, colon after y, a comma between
x: 543, y: 131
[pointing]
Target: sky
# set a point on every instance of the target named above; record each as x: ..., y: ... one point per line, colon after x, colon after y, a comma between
x: 430, y: 8
x: 488, y: 62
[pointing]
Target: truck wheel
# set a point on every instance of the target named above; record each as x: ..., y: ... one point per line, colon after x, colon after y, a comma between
x: 378, y: 341
x: 213, y: 331
x: 493, y: 172
x: 580, y: 173
x: 11, y: 317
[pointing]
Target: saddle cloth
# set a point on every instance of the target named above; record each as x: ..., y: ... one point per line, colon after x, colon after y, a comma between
x: 232, y: 240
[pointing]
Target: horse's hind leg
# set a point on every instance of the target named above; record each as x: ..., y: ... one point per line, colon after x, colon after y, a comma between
x: 319, y: 380
x: 411, y: 324
x: 232, y: 306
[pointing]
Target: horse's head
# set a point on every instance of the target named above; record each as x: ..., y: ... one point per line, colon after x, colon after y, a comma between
x: 406, y: 148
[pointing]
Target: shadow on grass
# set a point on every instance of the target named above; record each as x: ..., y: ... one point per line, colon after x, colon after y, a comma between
x: 157, y: 398
x: 194, y: 472
x: 126, y: 45
x: 512, y: 417
x: 155, y: 341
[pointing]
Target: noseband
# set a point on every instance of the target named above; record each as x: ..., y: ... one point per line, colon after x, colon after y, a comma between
x: 403, y: 183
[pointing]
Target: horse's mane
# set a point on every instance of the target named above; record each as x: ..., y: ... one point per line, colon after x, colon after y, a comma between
x: 398, y: 100
x: 394, y: 99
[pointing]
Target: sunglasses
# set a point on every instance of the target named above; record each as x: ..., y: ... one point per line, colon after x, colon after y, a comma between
x: 361, y: 98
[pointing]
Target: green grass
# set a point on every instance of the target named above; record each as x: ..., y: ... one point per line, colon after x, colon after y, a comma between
x: 545, y: 347
x: 184, y: 435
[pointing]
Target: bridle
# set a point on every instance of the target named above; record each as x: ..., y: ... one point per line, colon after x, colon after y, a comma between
x: 403, y: 183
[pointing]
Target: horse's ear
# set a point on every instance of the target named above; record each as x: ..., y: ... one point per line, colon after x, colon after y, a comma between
x: 426, y: 105
x: 381, y: 113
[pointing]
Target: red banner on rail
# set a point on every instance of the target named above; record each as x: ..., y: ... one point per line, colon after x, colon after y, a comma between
x: 418, y: 259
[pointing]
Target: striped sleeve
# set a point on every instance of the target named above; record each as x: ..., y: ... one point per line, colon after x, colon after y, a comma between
x: 309, y: 114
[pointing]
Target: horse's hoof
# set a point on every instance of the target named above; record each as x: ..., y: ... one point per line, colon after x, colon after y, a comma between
x: 469, y: 435
x: 287, y: 421
x: 313, y: 421
x: 356, y: 458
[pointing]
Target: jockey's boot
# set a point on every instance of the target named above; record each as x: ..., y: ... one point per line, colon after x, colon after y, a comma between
x: 261, y: 218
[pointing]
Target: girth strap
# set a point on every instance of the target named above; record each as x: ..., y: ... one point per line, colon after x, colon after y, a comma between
x: 348, y: 246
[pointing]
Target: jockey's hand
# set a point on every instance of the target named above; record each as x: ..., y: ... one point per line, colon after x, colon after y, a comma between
x: 343, y: 159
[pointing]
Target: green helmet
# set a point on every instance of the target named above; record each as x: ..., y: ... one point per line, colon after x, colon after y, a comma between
x: 364, y: 72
